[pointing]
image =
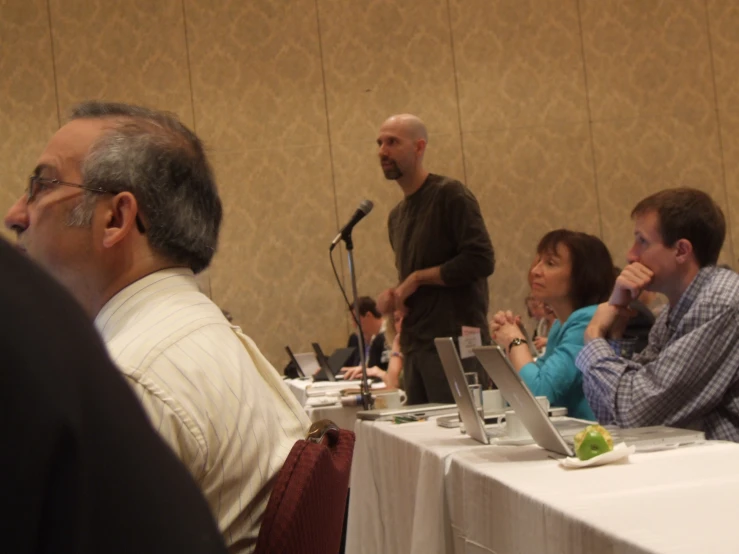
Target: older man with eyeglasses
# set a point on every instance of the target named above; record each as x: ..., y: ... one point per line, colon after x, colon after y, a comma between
x: 123, y: 210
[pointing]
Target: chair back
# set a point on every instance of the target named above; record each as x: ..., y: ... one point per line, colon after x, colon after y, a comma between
x: 305, y: 512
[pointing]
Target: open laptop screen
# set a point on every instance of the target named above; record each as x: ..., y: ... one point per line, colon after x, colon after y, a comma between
x: 455, y: 375
x: 323, y: 363
x: 299, y: 369
x: 518, y: 395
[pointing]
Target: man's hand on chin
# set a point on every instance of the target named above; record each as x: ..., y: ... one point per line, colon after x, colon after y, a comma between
x: 634, y: 278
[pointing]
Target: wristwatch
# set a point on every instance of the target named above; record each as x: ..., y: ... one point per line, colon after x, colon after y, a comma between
x: 515, y: 342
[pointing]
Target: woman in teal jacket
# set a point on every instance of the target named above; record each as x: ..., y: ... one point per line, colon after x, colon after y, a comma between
x: 572, y: 274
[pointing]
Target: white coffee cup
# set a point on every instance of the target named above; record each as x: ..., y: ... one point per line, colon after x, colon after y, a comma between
x: 514, y: 427
x: 390, y: 399
x: 493, y: 401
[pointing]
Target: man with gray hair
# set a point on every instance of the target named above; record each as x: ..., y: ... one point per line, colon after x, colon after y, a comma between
x: 123, y: 210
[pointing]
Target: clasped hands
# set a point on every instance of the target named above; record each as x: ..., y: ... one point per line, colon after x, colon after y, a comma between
x: 504, y: 327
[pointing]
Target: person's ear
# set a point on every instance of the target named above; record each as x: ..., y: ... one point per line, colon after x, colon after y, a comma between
x: 120, y: 218
x: 683, y: 250
x: 420, y: 147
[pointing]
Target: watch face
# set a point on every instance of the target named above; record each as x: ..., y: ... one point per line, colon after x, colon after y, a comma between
x: 516, y: 342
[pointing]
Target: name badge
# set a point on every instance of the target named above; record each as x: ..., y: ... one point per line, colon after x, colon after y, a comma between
x: 471, y: 338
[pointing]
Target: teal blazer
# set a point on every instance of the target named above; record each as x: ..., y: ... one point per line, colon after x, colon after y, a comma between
x: 555, y: 375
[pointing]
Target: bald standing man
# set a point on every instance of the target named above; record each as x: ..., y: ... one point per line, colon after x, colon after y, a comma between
x: 443, y: 255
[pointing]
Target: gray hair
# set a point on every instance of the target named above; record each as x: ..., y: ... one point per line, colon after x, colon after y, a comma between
x: 81, y: 214
x: 152, y: 155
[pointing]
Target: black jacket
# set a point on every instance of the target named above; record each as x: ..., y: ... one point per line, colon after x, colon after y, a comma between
x: 84, y: 470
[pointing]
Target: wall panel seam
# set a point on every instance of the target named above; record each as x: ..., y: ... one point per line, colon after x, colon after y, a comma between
x: 725, y: 188
x: 53, y: 65
x: 189, y: 67
x: 341, y: 271
x: 590, y: 120
x: 456, y: 90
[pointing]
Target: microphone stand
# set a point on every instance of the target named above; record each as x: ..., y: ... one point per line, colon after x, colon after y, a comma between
x: 367, y: 400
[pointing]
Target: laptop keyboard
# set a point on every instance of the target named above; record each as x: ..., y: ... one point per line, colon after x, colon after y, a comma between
x: 568, y: 428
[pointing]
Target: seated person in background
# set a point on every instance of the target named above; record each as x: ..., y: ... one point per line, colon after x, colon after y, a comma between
x: 574, y: 273
x: 123, y: 210
x: 688, y: 375
x: 371, y: 324
x: 655, y: 301
x: 85, y: 470
x: 543, y: 319
x: 544, y: 329
x: 393, y: 376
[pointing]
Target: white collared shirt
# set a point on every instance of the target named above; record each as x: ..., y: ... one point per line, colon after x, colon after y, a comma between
x: 209, y: 392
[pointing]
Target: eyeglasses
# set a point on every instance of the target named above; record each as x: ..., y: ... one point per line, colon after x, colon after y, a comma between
x: 36, y: 183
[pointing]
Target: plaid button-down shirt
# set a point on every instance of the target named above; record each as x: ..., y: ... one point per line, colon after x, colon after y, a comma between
x: 687, y: 376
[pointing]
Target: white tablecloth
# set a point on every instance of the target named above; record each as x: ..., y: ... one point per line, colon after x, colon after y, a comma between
x: 397, y: 488
x: 419, y: 488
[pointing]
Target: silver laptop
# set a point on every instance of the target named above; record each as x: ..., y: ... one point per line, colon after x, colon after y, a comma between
x: 476, y: 427
x: 454, y: 372
x: 306, y: 361
x: 417, y: 410
x: 536, y: 421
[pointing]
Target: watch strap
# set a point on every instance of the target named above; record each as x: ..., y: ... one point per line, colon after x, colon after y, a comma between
x: 515, y: 342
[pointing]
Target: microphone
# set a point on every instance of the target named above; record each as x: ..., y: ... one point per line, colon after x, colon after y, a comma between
x: 364, y: 208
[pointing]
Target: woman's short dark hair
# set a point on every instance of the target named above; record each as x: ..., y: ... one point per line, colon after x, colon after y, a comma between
x: 592, y: 278
x: 691, y: 214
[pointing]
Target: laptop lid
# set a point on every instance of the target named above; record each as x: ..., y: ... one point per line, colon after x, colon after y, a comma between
x: 292, y: 358
x: 518, y: 395
x: 339, y: 358
x: 308, y: 362
x: 323, y: 364
x: 462, y: 396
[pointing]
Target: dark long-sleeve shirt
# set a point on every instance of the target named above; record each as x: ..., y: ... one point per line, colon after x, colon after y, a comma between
x: 441, y: 225
x: 375, y: 351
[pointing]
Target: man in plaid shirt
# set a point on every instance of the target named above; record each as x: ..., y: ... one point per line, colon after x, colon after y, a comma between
x: 688, y: 375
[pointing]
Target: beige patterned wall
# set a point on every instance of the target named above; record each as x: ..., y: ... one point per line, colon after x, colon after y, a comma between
x: 554, y: 112
x: 28, y: 105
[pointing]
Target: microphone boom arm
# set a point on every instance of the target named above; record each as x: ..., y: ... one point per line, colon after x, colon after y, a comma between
x: 345, y: 234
